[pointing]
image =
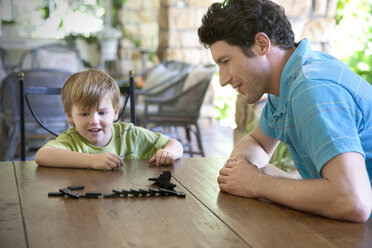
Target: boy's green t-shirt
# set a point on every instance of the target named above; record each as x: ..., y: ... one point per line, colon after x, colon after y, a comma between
x: 128, y: 141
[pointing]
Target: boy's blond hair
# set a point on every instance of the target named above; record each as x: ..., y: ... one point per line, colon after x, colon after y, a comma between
x: 88, y: 88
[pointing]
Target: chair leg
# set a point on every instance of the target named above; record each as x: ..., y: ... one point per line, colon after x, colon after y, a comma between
x: 12, y: 143
x: 179, y: 136
x: 189, y: 142
x: 4, y: 139
x: 198, y: 136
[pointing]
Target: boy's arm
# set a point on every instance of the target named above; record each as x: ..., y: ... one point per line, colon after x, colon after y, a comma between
x: 172, y: 150
x: 57, y: 157
x: 174, y: 147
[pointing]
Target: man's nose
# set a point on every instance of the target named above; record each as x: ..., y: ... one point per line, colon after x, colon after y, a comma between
x: 225, y: 78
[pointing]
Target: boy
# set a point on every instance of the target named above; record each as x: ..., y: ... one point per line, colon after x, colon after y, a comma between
x: 91, y: 102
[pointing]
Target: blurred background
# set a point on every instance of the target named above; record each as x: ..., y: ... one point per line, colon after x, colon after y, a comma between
x: 121, y: 35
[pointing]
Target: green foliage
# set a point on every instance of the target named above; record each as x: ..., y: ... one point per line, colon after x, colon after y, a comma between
x: 361, y: 63
x: 222, y: 110
x: 224, y: 103
x: 71, y: 39
x: 358, y: 11
x: 115, y: 6
x: 339, y: 10
x: 45, y: 12
x: 6, y: 22
x: 282, y: 158
x: 136, y: 41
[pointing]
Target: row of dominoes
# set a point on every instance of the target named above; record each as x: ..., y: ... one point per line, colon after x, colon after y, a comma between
x: 115, y: 193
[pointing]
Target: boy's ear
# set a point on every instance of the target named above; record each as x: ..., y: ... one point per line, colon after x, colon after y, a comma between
x: 116, y: 114
x: 70, y: 120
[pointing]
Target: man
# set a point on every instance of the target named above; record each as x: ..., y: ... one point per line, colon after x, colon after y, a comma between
x: 316, y: 105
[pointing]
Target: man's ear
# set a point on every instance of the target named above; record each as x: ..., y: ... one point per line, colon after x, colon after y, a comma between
x: 262, y: 44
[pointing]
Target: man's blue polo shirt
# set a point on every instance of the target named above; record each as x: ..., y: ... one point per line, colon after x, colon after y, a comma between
x: 324, y: 109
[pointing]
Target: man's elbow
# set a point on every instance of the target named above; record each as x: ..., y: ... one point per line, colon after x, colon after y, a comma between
x: 358, y: 209
x: 362, y: 212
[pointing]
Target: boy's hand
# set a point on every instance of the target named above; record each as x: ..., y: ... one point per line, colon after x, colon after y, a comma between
x: 106, y: 161
x: 162, y: 157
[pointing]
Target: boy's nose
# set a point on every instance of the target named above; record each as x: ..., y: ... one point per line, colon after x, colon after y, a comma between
x: 94, y: 118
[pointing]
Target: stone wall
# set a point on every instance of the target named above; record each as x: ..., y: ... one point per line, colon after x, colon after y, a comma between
x: 167, y: 27
x: 178, y: 24
x: 313, y: 19
x: 140, y: 19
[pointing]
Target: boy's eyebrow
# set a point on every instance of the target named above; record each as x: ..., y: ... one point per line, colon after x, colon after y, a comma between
x: 102, y: 109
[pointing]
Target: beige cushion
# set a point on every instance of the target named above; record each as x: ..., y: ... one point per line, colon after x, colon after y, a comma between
x: 195, y: 75
x: 64, y: 61
x: 159, y: 74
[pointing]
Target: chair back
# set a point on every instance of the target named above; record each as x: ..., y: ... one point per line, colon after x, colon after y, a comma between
x: 183, y: 108
x: 49, y: 109
x: 164, y: 74
x: 191, y: 93
x: 128, y: 90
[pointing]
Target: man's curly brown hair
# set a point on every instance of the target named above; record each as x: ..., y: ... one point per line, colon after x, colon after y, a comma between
x: 238, y: 21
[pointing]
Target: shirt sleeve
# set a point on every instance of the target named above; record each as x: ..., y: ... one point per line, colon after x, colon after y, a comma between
x: 62, y: 141
x: 69, y: 140
x: 148, y: 142
x: 327, y: 120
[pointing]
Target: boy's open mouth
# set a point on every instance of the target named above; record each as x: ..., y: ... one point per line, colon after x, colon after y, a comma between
x: 94, y: 130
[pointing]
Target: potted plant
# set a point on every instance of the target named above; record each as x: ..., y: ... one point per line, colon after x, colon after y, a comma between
x: 108, y: 39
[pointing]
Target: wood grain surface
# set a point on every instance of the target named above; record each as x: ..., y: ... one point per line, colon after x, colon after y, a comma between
x: 11, y: 227
x: 205, y: 218
x: 165, y: 221
x: 264, y: 224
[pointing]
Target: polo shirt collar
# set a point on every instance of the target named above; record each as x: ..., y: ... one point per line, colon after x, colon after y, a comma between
x: 294, y: 63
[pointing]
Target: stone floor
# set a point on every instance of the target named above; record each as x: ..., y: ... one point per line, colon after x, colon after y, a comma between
x: 217, y: 140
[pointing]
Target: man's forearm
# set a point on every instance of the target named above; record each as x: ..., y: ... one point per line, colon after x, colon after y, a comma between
x: 252, y: 151
x: 312, y: 195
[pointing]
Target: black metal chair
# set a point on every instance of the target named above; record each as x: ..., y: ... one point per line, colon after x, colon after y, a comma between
x: 25, y: 91
x: 180, y: 108
x: 157, y: 79
x: 52, y: 110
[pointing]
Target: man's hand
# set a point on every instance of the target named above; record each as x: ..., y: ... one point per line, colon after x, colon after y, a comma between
x: 239, y: 177
x: 162, y: 157
x: 106, y: 161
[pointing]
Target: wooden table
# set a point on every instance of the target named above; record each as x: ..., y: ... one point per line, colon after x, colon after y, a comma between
x: 205, y: 218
